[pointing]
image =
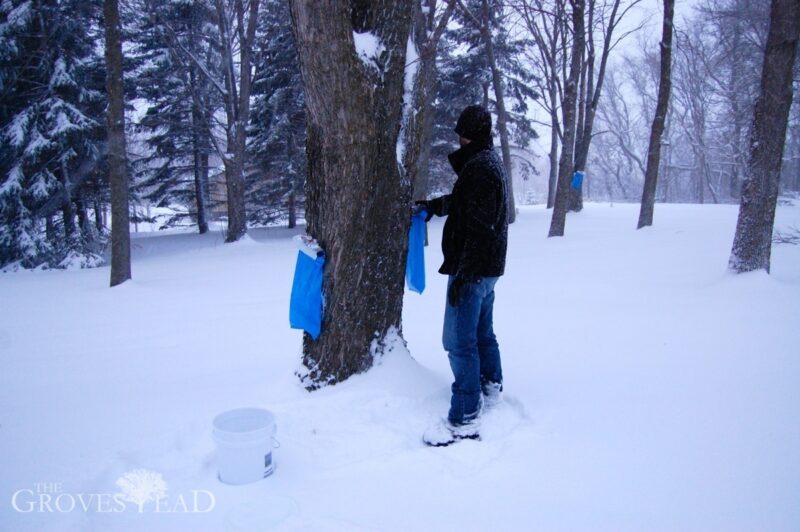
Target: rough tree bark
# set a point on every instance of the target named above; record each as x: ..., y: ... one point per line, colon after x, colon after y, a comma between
x: 566, y: 164
x: 117, y: 159
x: 357, y: 202
x: 752, y: 243
x: 659, y: 119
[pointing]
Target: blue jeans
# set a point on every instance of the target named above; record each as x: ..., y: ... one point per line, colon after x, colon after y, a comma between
x: 472, y: 348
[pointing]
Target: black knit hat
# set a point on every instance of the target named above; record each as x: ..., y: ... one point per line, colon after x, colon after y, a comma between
x: 475, y: 123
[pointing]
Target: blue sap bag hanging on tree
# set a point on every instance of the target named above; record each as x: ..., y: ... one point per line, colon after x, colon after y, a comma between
x: 306, y: 302
x: 577, y: 180
x: 415, y: 261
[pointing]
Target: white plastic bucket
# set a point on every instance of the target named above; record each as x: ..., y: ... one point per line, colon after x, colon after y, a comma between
x: 244, y: 444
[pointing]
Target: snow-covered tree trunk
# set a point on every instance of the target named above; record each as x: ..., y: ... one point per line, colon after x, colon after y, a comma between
x: 566, y: 164
x: 659, y: 120
x: 117, y: 158
x: 352, y: 60
x: 752, y: 243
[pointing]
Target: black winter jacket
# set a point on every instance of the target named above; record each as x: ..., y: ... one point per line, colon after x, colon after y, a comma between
x: 475, y: 235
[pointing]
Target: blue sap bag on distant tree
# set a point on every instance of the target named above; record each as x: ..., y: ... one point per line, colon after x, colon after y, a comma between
x: 577, y: 180
x: 306, y: 302
x: 415, y: 261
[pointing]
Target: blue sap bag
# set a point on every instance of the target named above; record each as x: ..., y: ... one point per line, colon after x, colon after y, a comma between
x: 305, y: 306
x: 577, y: 180
x: 415, y: 261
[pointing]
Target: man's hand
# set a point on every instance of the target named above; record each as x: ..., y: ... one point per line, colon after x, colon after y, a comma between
x: 421, y: 205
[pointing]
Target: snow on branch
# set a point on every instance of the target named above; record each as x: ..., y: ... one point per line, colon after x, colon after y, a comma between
x: 789, y: 236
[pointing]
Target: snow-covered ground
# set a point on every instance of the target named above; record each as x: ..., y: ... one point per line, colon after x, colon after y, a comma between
x: 646, y: 389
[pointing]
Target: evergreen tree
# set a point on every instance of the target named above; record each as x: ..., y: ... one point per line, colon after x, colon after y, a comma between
x: 466, y: 78
x: 277, y: 126
x: 181, y: 104
x: 51, y: 126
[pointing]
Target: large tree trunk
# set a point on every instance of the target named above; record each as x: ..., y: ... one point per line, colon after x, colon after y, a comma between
x: 357, y: 203
x: 566, y: 164
x: 117, y: 160
x: 752, y: 243
x: 659, y: 119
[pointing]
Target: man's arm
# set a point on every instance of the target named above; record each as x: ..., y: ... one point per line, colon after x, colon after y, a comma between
x: 439, y: 206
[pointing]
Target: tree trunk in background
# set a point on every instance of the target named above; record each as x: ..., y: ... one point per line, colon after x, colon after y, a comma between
x: 552, y: 181
x: 418, y: 131
x: 752, y: 243
x: 502, y: 117
x: 198, y: 148
x: 566, y: 164
x: 67, y: 209
x: 659, y: 119
x: 237, y: 105
x: 292, y: 203
x: 593, y: 91
x: 199, y: 189
x: 545, y: 29
x: 483, y: 25
x: 98, y: 216
x: 734, y: 95
x: 575, y: 197
x: 357, y: 203
x: 117, y: 159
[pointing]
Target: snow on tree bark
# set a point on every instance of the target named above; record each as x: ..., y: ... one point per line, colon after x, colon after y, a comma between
x: 358, y: 204
x: 752, y: 243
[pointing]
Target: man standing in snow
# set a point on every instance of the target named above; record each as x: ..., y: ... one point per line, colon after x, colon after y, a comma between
x: 474, y: 246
